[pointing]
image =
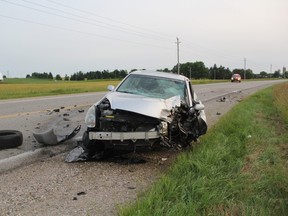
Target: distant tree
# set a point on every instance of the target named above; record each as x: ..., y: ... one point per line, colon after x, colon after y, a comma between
x: 116, y: 73
x: 77, y: 76
x: 50, y: 76
x: 41, y: 75
x: 122, y: 73
x: 66, y: 77
x: 219, y: 72
x: 58, y: 77
x: 164, y: 70
x: 249, y: 74
x: 198, y: 70
x: 28, y: 76
x: 276, y: 74
x: 106, y: 74
x: 263, y: 74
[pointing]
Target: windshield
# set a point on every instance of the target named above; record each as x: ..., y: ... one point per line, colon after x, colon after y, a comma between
x: 156, y: 87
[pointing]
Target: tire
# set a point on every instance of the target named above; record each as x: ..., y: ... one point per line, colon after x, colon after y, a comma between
x: 10, y: 139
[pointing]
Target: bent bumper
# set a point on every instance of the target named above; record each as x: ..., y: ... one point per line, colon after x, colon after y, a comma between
x: 123, y: 136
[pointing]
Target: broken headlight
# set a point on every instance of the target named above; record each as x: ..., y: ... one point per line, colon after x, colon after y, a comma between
x: 90, y: 118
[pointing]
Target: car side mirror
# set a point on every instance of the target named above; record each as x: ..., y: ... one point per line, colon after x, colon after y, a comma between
x: 199, y: 107
x: 110, y: 87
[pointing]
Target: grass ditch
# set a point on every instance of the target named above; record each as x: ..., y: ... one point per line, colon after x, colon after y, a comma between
x: 240, y: 167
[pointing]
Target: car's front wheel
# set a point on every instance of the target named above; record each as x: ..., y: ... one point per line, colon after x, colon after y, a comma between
x: 95, y: 148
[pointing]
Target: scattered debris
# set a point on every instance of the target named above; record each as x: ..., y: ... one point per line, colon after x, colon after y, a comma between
x: 80, y: 153
x: 218, y: 113
x: 81, y: 193
x: 81, y: 111
x: 222, y: 99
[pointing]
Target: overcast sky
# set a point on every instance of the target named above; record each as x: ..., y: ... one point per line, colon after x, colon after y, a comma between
x: 66, y: 36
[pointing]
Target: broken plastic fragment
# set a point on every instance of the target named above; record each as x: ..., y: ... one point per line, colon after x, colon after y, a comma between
x: 77, y: 154
x: 53, y: 137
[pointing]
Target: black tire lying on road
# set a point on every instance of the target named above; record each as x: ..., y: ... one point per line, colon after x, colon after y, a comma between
x: 10, y: 139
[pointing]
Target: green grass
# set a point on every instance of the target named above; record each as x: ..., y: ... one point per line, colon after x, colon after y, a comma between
x: 240, y: 167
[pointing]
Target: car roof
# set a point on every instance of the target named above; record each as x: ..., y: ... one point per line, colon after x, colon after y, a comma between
x: 160, y: 74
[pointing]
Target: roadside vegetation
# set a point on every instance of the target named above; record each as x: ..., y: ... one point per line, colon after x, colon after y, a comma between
x: 240, y: 167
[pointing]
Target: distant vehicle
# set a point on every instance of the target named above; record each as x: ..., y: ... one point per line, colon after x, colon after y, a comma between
x: 1, y: 77
x: 236, y: 78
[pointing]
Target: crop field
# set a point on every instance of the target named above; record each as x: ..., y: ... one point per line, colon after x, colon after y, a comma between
x: 19, y: 88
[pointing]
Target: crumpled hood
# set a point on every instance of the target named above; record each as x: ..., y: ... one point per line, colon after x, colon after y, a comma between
x: 153, y: 107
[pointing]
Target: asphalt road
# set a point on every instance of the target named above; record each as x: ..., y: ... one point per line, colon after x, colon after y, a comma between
x: 38, y: 114
x: 49, y: 186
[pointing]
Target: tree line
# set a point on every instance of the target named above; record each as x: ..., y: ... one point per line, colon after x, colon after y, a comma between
x: 192, y: 70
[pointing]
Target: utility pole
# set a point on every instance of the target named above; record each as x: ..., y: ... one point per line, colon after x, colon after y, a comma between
x: 178, y: 64
x: 244, y: 68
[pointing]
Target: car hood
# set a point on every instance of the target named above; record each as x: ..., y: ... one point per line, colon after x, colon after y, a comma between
x: 153, y: 107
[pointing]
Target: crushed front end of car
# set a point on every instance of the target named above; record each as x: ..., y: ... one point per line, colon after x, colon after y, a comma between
x: 130, y: 121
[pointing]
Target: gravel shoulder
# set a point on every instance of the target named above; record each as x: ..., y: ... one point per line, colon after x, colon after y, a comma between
x: 53, y: 187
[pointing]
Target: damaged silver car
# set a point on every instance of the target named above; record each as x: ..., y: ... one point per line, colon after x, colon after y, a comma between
x: 146, y: 109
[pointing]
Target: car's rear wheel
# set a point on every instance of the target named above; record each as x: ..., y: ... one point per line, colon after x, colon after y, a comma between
x: 95, y: 148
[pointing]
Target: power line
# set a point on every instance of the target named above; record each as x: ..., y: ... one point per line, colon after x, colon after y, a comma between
x: 112, y: 20
x: 81, y: 32
x: 106, y: 25
x: 113, y: 27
